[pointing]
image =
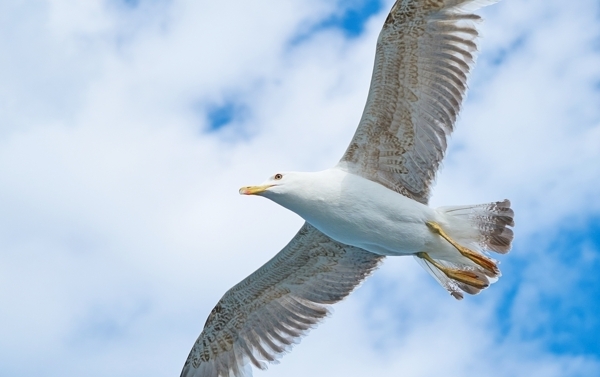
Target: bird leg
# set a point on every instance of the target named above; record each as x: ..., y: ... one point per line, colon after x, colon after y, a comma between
x: 463, y: 276
x: 479, y: 259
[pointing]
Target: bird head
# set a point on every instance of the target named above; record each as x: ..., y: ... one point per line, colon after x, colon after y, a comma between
x: 275, y: 184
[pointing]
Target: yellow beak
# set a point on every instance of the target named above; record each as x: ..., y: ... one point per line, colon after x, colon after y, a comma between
x: 254, y: 190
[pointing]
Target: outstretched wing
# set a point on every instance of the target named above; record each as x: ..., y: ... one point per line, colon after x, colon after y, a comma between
x: 424, y: 55
x: 261, y: 317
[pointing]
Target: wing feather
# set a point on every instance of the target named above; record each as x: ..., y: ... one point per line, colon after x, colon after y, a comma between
x: 265, y: 314
x: 423, y: 57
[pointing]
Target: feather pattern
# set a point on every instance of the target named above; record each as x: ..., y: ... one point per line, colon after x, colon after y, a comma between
x: 424, y: 54
x: 492, y: 220
x: 265, y: 314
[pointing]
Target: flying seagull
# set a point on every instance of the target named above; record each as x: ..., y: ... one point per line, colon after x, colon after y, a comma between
x: 372, y: 204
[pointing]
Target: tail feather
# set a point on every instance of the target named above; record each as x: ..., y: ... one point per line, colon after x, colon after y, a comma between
x: 492, y: 220
x: 483, y: 227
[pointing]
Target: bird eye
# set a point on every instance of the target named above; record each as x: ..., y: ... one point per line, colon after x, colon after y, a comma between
x: 278, y: 176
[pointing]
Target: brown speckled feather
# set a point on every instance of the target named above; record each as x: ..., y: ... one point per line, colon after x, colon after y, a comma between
x: 423, y: 57
x: 261, y: 317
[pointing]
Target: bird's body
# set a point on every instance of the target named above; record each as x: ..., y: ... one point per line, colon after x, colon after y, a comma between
x: 372, y: 204
x: 359, y: 212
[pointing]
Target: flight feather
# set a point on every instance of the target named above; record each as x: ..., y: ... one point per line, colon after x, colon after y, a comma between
x: 261, y: 317
x: 423, y: 57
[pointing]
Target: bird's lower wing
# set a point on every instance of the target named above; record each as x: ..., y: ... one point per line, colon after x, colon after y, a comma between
x: 261, y: 317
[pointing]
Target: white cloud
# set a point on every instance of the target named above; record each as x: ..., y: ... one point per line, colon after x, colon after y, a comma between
x: 120, y: 223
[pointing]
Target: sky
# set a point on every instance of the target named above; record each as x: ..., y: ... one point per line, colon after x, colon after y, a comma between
x: 128, y: 126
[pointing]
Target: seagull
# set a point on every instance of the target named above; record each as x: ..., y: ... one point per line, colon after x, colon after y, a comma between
x: 372, y: 204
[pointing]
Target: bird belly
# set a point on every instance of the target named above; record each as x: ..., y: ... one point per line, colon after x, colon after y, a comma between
x: 377, y: 235
x: 372, y: 217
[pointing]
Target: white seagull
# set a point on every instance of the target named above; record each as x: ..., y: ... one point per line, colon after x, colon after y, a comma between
x: 372, y: 204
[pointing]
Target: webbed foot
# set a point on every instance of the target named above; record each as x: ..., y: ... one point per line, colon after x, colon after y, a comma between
x: 464, y: 276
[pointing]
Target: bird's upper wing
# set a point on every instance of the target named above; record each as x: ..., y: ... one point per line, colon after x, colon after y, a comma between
x: 424, y: 54
x: 259, y: 318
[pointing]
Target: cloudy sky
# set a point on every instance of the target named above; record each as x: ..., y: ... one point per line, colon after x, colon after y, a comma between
x: 127, y: 127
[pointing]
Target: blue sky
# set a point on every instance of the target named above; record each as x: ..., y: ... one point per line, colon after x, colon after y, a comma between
x: 349, y: 17
x: 567, y: 322
x: 127, y: 128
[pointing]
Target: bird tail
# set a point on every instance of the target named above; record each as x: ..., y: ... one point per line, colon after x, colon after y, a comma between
x: 473, y: 230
